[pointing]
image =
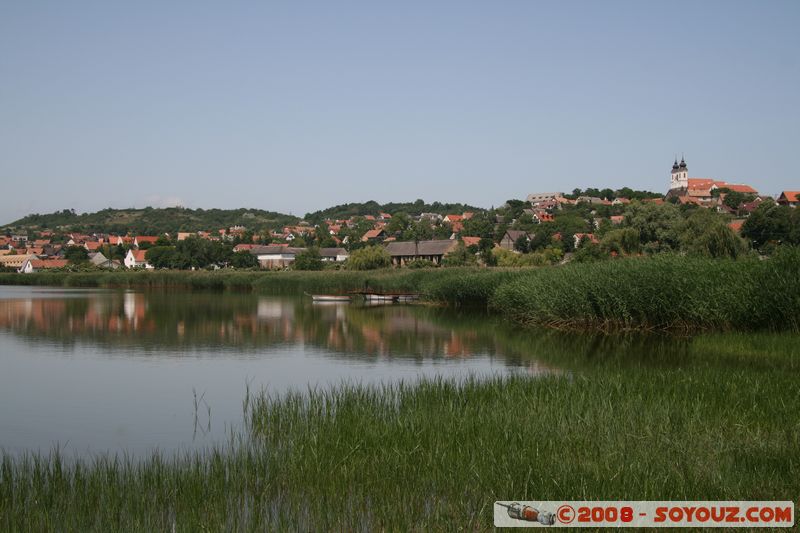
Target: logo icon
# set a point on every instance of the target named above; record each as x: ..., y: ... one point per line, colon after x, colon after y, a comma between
x: 528, y: 513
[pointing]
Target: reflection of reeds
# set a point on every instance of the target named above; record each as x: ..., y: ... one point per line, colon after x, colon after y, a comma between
x: 433, y: 456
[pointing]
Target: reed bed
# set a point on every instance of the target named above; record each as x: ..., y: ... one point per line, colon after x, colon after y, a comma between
x: 435, y: 455
x: 662, y: 293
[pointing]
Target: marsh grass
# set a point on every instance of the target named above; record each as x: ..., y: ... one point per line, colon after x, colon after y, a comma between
x: 435, y: 455
x: 663, y: 293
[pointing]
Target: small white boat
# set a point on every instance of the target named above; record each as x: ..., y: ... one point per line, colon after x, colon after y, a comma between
x: 330, y: 297
x: 379, y: 297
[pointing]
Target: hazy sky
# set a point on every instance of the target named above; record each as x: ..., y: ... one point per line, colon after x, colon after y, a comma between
x: 294, y: 106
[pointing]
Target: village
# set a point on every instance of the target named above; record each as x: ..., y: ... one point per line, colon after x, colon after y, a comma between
x: 545, y: 228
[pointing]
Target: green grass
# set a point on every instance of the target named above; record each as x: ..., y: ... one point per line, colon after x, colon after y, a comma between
x: 724, y: 424
x: 664, y: 293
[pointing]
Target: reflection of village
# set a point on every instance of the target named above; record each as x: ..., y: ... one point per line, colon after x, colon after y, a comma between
x: 245, y: 322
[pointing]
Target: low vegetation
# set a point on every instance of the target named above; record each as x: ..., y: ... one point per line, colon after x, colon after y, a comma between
x: 721, y: 425
x: 668, y: 292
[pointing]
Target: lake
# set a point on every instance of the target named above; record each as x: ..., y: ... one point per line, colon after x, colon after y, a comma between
x: 112, y: 371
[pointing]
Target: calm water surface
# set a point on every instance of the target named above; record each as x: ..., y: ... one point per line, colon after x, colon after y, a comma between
x: 120, y: 371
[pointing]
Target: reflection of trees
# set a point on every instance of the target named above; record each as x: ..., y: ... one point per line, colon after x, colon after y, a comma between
x: 179, y: 322
x: 205, y: 321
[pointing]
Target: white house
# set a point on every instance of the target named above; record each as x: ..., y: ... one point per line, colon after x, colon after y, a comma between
x: 275, y: 256
x: 136, y: 259
x: 334, y: 254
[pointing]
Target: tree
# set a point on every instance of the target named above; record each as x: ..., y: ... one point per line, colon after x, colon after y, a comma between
x: 522, y: 244
x: 480, y: 225
x: 243, y: 259
x: 773, y: 223
x: 621, y: 241
x: 308, y: 260
x: 76, y: 254
x: 399, y: 224
x: 459, y: 256
x: 485, y: 246
x: 654, y: 222
x: 589, y: 252
x: 721, y: 241
x: 163, y: 257
x: 369, y: 258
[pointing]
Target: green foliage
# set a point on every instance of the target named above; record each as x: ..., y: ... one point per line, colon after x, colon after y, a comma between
x: 522, y: 244
x: 369, y: 258
x: 621, y: 241
x: 480, y: 225
x: 654, y: 222
x: 162, y: 257
x: 589, y: 252
x: 193, y: 252
x: 310, y: 259
x: 150, y: 221
x: 76, y: 254
x: 345, y: 211
x: 459, y: 257
x: 507, y: 258
x: 243, y: 259
x: 665, y: 292
x: 773, y: 223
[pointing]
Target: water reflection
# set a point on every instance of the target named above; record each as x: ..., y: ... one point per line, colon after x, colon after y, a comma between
x: 118, y: 371
x: 182, y: 323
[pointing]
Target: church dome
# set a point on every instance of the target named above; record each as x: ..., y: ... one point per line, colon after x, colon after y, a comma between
x: 683, y: 163
x: 675, y: 165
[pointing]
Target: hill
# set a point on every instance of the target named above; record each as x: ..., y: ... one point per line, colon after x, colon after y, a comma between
x: 372, y: 207
x: 151, y: 221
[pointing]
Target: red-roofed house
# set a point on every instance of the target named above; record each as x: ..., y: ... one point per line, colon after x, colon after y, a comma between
x: 137, y: 259
x: 579, y: 238
x: 141, y: 239
x: 790, y: 198
x: 374, y: 235
x: 471, y: 241
x: 34, y: 265
x: 453, y: 218
x: 617, y: 219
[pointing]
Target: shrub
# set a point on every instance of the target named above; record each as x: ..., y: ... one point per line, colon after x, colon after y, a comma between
x: 369, y: 258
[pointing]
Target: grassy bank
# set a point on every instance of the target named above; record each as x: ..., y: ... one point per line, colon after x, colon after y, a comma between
x: 665, y: 292
x: 436, y: 455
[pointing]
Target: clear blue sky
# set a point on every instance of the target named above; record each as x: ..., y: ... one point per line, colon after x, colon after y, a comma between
x: 294, y: 106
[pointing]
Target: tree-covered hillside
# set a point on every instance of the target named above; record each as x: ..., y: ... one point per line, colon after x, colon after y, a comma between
x: 152, y: 221
x: 372, y: 207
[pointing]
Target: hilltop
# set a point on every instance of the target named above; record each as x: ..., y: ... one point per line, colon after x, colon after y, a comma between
x: 153, y: 221
x: 371, y: 207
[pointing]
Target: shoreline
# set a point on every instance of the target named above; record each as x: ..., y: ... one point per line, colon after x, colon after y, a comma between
x: 666, y: 293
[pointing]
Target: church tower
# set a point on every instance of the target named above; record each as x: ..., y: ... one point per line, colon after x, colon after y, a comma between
x: 680, y: 175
